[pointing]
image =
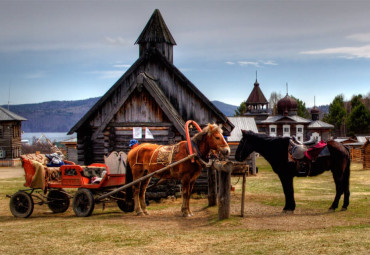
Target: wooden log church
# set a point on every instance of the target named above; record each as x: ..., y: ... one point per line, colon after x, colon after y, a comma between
x: 153, y: 96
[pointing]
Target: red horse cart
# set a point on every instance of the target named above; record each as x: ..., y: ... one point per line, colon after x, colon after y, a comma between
x: 91, y: 181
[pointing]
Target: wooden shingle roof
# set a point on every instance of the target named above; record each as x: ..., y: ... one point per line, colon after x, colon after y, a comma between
x: 152, y: 87
x: 156, y: 31
x: 6, y: 115
x: 256, y: 96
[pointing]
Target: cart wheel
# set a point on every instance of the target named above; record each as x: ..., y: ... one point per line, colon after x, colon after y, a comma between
x: 125, y: 205
x: 83, y: 203
x: 58, y: 200
x: 21, y: 204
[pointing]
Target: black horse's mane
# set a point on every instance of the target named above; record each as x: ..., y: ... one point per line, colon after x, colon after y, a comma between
x: 266, y: 138
x: 274, y: 149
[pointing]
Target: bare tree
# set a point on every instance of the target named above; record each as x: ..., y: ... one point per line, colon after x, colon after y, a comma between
x: 274, y: 99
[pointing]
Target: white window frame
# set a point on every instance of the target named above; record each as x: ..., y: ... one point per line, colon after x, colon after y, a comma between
x: 300, y: 135
x: 286, y: 133
x: 274, y: 134
x: 316, y: 135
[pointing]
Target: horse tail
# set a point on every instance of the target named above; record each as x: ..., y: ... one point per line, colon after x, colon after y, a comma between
x: 348, y: 164
x: 129, y: 179
x: 345, y: 180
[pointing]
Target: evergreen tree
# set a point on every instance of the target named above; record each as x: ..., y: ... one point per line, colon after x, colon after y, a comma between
x: 302, y: 110
x: 241, y: 109
x: 355, y: 101
x: 337, y: 115
x: 359, y: 119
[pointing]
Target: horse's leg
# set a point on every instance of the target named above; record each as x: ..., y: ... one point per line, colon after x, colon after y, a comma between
x: 341, y: 179
x: 191, y: 189
x: 346, y: 186
x: 338, y: 192
x: 144, y: 185
x: 185, y: 198
x: 137, y: 199
x: 287, y: 182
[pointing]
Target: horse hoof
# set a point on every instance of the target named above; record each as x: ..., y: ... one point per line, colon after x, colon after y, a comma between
x: 288, y: 211
x: 139, y: 214
x: 343, y: 209
x: 186, y: 215
x: 146, y: 213
x: 331, y: 210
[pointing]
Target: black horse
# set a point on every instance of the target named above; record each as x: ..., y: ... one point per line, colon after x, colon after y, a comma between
x: 275, y: 151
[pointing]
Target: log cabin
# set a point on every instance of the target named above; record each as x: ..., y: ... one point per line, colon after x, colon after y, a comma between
x: 10, y: 135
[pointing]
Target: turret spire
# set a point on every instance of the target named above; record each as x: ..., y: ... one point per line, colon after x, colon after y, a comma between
x: 156, y: 35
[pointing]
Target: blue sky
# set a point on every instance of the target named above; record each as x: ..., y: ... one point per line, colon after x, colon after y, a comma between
x: 70, y: 50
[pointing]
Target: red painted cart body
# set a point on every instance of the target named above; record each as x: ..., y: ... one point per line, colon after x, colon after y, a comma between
x: 69, y: 176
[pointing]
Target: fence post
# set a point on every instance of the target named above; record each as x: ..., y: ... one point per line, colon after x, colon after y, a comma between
x: 224, y: 169
x: 212, y: 186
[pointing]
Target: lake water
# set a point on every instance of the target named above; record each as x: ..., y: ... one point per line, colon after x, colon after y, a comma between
x: 53, y: 137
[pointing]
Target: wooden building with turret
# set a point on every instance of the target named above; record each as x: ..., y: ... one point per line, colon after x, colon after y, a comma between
x: 152, y: 96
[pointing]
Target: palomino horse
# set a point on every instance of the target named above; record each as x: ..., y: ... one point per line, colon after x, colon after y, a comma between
x: 275, y: 151
x: 147, y: 158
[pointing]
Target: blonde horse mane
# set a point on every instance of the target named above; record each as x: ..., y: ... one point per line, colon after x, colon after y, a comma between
x: 208, y: 130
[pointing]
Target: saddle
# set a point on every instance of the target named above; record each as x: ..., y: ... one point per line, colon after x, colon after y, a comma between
x: 304, y: 154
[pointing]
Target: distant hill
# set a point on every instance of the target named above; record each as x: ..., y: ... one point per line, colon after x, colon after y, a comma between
x: 52, y: 116
x: 227, y: 109
x: 61, y: 116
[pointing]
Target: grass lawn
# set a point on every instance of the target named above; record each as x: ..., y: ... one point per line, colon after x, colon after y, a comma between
x: 263, y: 229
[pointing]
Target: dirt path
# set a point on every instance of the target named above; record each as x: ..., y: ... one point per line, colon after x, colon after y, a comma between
x: 11, y: 172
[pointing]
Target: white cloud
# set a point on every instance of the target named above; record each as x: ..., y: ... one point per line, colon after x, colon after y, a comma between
x: 253, y: 63
x: 245, y: 63
x: 118, y: 41
x: 345, y: 52
x: 364, y: 37
x: 269, y: 62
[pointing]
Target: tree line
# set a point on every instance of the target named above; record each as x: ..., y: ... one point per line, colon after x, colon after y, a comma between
x: 350, y: 118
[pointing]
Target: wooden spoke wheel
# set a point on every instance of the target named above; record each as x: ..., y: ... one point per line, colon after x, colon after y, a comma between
x: 126, y: 205
x: 21, y: 204
x: 83, y: 203
x: 58, y: 200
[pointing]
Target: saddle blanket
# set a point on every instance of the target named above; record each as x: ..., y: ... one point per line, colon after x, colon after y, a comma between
x: 166, y: 154
x: 314, y: 152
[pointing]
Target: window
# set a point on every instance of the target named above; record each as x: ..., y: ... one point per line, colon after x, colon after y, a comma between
x: 1, y: 131
x: 16, y: 131
x: 299, y: 133
x: 316, y: 136
x: 286, y: 130
x: 273, y: 130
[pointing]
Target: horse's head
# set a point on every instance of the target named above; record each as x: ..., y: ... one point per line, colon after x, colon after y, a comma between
x: 216, y: 140
x: 244, y: 147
